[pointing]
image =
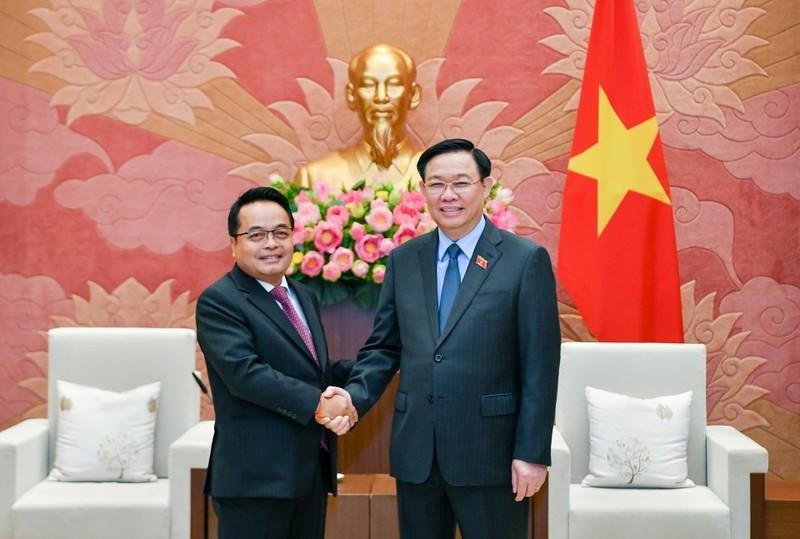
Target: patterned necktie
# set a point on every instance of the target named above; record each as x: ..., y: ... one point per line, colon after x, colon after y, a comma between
x: 452, y: 280
x: 282, y: 296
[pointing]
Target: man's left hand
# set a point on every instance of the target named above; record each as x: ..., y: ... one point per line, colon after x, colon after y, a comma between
x: 526, y: 478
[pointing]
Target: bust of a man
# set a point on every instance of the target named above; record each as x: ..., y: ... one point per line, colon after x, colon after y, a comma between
x: 382, y: 90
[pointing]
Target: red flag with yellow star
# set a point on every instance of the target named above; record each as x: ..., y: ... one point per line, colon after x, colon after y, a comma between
x: 617, y: 255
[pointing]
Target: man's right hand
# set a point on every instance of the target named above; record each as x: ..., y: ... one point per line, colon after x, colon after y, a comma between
x: 336, y: 411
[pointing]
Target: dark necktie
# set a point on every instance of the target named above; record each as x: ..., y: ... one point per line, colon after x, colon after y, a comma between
x: 282, y: 296
x: 452, y: 280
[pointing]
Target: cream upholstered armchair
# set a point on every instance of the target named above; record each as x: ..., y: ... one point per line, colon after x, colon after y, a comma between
x: 721, y: 460
x: 115, y: 359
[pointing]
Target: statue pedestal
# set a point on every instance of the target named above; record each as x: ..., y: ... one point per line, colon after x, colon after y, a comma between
x: 364, y: 450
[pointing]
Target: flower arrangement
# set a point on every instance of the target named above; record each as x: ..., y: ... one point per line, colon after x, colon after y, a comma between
x: 342, y: 239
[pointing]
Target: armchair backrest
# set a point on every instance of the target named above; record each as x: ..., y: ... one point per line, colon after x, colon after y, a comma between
x: 118, y: 359
x: 643, y: 370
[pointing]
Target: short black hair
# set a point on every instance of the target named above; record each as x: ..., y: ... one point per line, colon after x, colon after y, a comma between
x: 254, y: 195
x: 453, y: 145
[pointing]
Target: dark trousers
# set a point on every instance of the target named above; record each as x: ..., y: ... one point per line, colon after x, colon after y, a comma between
x: 430, y: 510
x: 277, y: 518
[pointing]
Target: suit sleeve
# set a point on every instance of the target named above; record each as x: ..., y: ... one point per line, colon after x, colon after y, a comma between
x: 540, y: 350
x: 379, y: 358
x: 227, y: 343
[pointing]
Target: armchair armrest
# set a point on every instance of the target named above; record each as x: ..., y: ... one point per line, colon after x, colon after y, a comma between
x: 191, y: 450
x: 558, y: 487
x: 23, y: 463
x: 731, y: 458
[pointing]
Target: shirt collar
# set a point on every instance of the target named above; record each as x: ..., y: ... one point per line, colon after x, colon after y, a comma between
x: 268, y: 287
x: 467, y: 243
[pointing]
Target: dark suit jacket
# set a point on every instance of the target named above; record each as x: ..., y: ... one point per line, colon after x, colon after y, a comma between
x: 485, y: 389
x: 266, y: 388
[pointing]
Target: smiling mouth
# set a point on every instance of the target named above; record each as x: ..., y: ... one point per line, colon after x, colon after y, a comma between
x: 450, y: 211
x: 270, y: 258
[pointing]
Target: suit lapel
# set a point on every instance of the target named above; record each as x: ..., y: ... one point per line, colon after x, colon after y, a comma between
x: 314, y: 324
x: 258, y: 296
x: 427, y: 263
x: 475, y: 276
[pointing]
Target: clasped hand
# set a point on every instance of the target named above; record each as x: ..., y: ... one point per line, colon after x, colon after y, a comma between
x: 336, y: 411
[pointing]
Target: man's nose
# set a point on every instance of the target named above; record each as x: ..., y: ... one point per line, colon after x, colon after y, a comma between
x: 381, y: 94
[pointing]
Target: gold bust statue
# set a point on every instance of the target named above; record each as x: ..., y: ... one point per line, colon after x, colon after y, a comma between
x: 382, y: 90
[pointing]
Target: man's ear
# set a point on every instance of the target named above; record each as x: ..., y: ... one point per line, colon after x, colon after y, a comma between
x: 416, y: 96
x: 350, y: 95
x: 233, y: 247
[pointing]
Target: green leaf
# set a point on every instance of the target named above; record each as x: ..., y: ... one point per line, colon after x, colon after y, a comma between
x: 365, y: 295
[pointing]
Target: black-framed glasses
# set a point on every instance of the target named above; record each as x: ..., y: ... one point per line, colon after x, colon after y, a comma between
x: 257, y: 235
x: 437, y: 188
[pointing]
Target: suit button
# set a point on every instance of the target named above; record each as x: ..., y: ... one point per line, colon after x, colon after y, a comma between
x: 437, y: 358
x: 430, y: 398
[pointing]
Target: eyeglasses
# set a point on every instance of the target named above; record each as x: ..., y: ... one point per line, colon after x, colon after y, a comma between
x: 437, y: 188
x: 257, y: 235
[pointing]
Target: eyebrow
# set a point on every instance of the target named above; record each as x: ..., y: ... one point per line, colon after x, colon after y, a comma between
x: 259, y: 227
x: 457, y: 176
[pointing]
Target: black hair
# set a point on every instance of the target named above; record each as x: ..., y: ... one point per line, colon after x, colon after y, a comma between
x: 453, y: 145
x: 254, y: 195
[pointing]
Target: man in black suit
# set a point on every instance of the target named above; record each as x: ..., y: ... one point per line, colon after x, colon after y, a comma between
x: 271, y: 464
x: 468, y: 315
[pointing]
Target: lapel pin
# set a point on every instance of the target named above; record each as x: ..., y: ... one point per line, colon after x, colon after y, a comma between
x: 481, y: 262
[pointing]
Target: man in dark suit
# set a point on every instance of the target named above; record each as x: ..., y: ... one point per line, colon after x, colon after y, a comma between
x: 468, y: 315
x: 271, y: 464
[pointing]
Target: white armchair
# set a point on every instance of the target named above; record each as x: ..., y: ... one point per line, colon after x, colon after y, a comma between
x: 721, y: 460
x: 115, y: 359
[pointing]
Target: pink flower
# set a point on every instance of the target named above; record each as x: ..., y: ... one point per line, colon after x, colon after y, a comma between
x: 343, y: 257
x: 312, y: 264
x: 426, y: 224
x: 322, y: 190
x: 302, y: 198
x: 298, y: 234
x: 360, y: 269
x: 337, y: 215
x: 413, y: 199
x: 377, y: 203
x: 505, y: 220
x: 386, y: 246
x: 357, y: 231
x: 307, y: 213
x: 405, y: 215
x: 496, y: 206
x: 379, y: 273
x: 331, y: 271
x: 327, y: 236
x: 403, y: 234
x: 380, y: 218
x: 368, y: 248
x: 352, y: 197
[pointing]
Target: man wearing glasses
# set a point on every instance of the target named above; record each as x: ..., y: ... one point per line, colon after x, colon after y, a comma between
x: 468, y: 315
x: 271, y: 464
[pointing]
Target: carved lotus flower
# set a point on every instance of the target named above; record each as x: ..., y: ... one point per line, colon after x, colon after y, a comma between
x: 133, y: 57
x: 693, y: 51
x: 131, y: 304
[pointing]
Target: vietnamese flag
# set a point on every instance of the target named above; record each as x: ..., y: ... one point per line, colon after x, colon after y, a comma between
x: 617, y: 255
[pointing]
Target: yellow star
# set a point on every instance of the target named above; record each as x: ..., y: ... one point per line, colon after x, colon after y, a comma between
x: 618, y: 161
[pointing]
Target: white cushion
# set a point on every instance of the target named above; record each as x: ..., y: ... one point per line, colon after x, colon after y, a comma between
x: 637, y: 442
x: 58, y: 510
x: 607, y: 513
x: 104, y: 435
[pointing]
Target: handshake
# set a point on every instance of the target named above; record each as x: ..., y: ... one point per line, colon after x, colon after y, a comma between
x: 336, y: 411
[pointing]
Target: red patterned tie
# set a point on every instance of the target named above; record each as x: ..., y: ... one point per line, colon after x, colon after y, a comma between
x: 282, y: 296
